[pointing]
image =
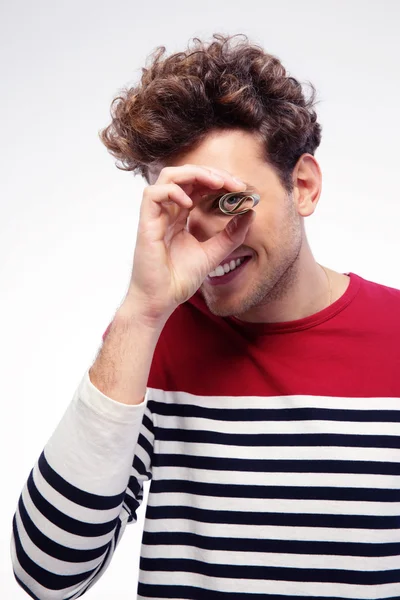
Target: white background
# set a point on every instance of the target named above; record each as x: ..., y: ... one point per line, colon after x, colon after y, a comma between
x: 69, y: 216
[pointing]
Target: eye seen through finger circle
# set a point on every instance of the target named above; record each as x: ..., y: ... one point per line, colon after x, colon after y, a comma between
x: 236, y: 202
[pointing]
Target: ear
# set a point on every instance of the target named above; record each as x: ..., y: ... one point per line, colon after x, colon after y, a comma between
x: 307, y: 182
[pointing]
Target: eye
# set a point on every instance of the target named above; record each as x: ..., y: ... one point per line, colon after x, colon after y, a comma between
x: 236, y: 202
x: 229, y: 202
x: 233, y: 200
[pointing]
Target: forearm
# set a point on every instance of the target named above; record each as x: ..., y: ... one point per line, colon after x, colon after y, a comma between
x: 71, y: 508
x: 122, y: 367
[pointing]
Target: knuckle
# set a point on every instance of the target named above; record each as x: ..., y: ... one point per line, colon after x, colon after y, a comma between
x: 214, y: 171
x: 166, y: 171
x: 147, y: 191
x: 222, y: 172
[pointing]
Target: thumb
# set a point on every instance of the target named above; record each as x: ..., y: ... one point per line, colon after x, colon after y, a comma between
x: 221, y: 245
x: 237, y: 227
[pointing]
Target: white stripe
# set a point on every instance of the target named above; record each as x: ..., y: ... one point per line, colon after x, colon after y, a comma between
x: 281, y: 452
x: 278, y: 402
x: 246, y: 586
x: 259, y: 505
x: 262, y: 532
x: 252, y: 478
x: 271, y: 559
x: 278, y: 427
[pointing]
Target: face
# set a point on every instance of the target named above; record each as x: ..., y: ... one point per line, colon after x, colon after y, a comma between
x: 275, y: 238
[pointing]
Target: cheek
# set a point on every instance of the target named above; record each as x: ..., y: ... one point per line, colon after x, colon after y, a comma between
x: 269, y: 230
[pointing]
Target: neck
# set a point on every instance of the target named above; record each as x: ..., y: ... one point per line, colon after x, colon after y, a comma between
x: 307, y: 289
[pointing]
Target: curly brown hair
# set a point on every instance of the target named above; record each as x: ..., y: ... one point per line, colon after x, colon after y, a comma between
x: 226, y: 84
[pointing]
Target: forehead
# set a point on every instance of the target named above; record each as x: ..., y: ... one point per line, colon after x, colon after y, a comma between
x: 236, y: 151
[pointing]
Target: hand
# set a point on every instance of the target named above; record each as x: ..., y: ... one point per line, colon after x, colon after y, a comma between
x: 170, y: 264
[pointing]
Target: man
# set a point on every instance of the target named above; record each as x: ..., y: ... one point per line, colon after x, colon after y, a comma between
x: 256, y: 389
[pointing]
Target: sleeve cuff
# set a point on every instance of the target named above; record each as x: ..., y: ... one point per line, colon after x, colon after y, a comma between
x: 108, y: 408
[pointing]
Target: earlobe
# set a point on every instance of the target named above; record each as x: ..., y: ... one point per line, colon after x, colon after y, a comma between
x: 306, y: 207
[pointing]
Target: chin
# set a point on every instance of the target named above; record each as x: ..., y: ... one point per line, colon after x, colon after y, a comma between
x: 223, y: 307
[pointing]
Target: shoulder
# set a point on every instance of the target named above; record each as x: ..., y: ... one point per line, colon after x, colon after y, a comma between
x: 379, y: 292
x: 378, y: 306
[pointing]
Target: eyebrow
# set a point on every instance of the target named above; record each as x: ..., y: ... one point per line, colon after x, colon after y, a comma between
x: 221, y: 192
x: 249, y: 186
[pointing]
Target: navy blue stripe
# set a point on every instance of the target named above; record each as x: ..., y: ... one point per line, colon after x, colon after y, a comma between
x: 288, y: 492
x: 134, y: 485
x: 272, y: 518
x: 148, y: 423
x: 278, y: 439
x: 52, y: 548
x: 278, y: 465
x: 277, y: 414
x: 116, y: 532
x: 42, y: 576
x: 176, y: 538
x: 140, y: 468
x: 75, y: 494
x: 132, y: 504
x: 147, y: 447
x: 266, y: 573
x: 63, y: 521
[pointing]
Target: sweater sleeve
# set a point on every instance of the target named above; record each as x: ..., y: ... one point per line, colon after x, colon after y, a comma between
x: 85, y: 487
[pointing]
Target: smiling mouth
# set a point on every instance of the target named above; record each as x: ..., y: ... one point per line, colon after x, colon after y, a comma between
x: 228, y: 277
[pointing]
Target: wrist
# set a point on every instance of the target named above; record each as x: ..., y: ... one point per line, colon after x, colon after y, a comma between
x: 137, y: 309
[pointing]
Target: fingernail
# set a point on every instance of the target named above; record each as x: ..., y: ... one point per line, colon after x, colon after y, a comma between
x: 239, y: 181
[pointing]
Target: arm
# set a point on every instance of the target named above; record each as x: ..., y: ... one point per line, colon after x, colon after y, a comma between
x: 88, y: 481
x: 92, y: 450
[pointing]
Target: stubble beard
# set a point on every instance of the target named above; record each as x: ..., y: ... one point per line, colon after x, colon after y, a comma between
x: 273, y: 283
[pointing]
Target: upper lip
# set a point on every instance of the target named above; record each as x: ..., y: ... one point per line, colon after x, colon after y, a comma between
x: 234, y: 257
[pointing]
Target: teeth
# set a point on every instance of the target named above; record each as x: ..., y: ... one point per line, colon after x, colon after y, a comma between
x: 225, y: 268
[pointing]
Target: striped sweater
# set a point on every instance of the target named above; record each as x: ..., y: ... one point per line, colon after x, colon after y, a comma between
x: 272, y: 452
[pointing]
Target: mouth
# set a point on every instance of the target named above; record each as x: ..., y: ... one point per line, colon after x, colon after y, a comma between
x: 230, y: 276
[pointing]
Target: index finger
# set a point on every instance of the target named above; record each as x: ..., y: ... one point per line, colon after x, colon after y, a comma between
x: 225, y: 174
x: 200, y: 175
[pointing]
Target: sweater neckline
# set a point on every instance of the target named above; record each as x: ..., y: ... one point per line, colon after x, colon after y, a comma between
x: 306, y: 322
